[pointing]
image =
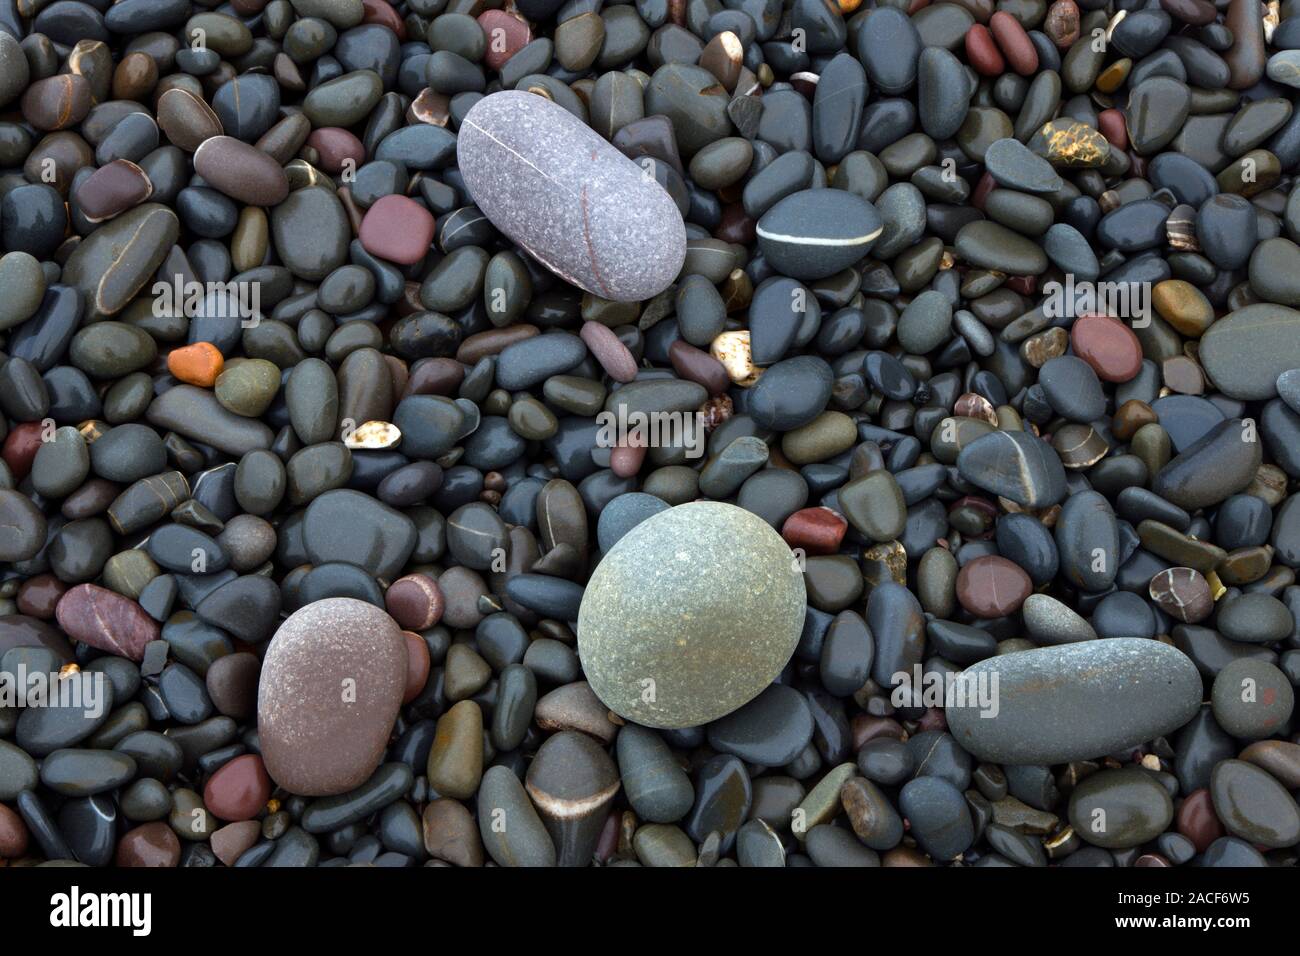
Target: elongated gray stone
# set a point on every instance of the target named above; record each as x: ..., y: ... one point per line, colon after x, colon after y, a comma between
x: 1052, y: 705
x: 195, y: 413
x: 577, y: 204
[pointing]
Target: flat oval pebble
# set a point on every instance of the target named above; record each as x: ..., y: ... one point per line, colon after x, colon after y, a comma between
x: 1076, y: 701
x: 542, y: 177
x: 331, y: 683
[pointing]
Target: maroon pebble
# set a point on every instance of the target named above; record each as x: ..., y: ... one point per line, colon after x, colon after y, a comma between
x: 417, y: 665
x: 415, y: 602
x: 699, y: 366
x: 106, y: 621
x: 1197, y: 820
x: 13, y: 834
x: 1110, y: 123
x: 336, y: 147
x: 626, y: 460
x: 149, y: 845
x: 991, y: 586
x: 982, y: 52
x: 239, y: 790
x: 1014, y: 43
x: 383, y: 14
x: 506, y: 33
x: 113, y: 189
x: 1183, y: 594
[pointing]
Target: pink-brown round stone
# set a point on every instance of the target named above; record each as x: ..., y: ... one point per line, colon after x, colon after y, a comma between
x: 397, y: 229
x: 1108, y: 345
x: 991, y: 586
x: 149, y: 845
x: 239, y: 790
x: 13, y: 834
x: 335, y: 147
x: 506, y: 33
x: 626, y: 460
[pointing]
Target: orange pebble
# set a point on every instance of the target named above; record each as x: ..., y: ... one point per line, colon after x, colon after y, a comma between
x: 197, y: 364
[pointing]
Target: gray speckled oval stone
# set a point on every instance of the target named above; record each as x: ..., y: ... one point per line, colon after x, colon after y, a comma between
x: 578, y: 205
x: 690, y: 616
x: 1076, y: 701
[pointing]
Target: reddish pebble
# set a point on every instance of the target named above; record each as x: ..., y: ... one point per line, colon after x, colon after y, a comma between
x: 1108, y: 345
x: 735, y: 225
x: 1151, y: 859
x: 816, y: 530
x: 506, y: 35
x: 991, y: 586
x: 1110, y: 123
x: 415, y: 602
x: 113, y: 189
x: 417, y: 665
x: 13, y: 834
x: 20, y: 448
x: 982, y: 189
x: 377, y: 11
x: 435, y: 376
x: 106, y: 621
x: 1025, y: 285
x: 38, y: 596
x: 335, y: 147
x: 607, y: 845
x: 1197, y: 820
x: 699, y: 366
x: 982, y: 52
x: 149, y: 845
x: 867, y: 727
x: 230, y: 842
x: 609, y: 351
x: 933, y: 719
x: 239, y: 790
x: 1062, y: 23
x: 625, y: 460
x: 1014, y: 43
x: 397, y: 229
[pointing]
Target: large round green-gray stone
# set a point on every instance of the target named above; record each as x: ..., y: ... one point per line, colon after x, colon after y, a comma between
x: 691, y: 615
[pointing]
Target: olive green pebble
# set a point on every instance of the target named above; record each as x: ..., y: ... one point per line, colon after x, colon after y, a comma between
x: 109, y: 349
x: 247, y: 386
x: 530, y: 419
x: 127, y: 572
x: 23, y: 282
x: 826, y: 436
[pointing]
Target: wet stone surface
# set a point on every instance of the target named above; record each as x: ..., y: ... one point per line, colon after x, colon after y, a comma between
x: 763, y: 433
